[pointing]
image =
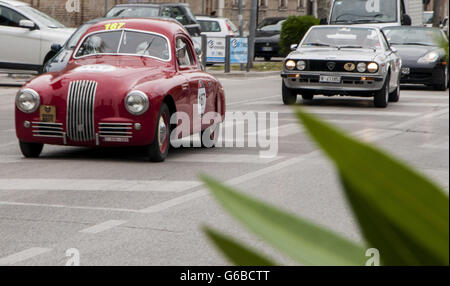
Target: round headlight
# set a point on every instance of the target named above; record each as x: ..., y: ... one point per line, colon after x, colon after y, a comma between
x: 372, y: 67
x: 361, y: 67
x: 301, y: 65
x: 136, y: 102
x: 27, y: 100
x: 290, y: 65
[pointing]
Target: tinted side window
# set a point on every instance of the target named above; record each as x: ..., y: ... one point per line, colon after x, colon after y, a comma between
x: 9, y: 17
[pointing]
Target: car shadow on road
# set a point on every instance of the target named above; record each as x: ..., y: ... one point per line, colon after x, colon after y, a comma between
x: 343, y: 101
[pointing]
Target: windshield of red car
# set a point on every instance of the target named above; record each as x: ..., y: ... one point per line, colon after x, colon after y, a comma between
x: 125, y: 43
x: 339, y: 37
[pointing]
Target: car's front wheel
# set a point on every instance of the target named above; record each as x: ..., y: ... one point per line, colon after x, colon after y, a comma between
x: 31, y: 150
x: 289, y: 95
x: 443, y: 85
x: 158, y: 150
x: 395, y: 95
x: 381, y: 97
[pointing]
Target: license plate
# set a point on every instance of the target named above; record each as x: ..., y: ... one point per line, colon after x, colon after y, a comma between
x: 330, y: 78
x: 406, y: 70
x: 47, y: 113
x: 266, y: 49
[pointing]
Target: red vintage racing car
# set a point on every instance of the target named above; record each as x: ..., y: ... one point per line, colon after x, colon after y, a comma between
x: 125, y: 80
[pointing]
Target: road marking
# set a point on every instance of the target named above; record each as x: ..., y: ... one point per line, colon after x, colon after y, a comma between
x: 367, y: 112
x: 429, y: 115
x: 255, y: 174
x: 421, y: 104
x: 251, y: 100
x: 23, y: 255
x: 223, y: 158
x: 8, y: 203
x: 283, y: 131
x: 96, y: 185
x: 439, y: 144
x: 103, y: 226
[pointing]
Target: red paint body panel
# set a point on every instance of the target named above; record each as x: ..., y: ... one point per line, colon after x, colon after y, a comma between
x: 156, y: 78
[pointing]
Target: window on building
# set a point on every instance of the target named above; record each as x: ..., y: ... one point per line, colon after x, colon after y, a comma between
x: 263, y: 3
x: 235, y: 3
x: 282, y: 4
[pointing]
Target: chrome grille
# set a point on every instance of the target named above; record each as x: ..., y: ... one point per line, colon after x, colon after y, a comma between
x: 47, y: 129
x: 115, y: 130
x: 80, y: 110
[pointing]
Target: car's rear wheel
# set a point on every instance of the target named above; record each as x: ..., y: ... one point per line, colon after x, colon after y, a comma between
x: 443, y: 85
x: 158, y: 150
x: 307, y: 95
x: 289, y: 95
x: 381, y: 97
x: 395, y: 95
x: 31, y: 150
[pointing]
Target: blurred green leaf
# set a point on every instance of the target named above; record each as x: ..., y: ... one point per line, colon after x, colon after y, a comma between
x: 301, y: 240
x: 237, y: 253
x: 402, y: 213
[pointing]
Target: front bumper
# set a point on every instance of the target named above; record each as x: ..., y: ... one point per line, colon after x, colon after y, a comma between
x: 423, y: 74
x: 350, y: 82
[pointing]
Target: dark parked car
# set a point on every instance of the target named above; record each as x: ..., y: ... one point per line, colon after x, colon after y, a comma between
x: 267, y: 38
x: 423, y: 60
x: 178, y: 11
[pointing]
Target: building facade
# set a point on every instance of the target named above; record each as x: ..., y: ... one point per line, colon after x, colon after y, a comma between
x: 72, y: 13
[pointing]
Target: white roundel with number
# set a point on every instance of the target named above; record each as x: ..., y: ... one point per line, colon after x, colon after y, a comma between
x: 201, y: 98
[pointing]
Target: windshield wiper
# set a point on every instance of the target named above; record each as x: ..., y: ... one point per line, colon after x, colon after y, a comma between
x: 349, y: 47
x: 318, y: 44
x: 148, y: 47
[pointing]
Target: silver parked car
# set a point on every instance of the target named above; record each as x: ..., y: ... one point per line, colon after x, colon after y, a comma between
x: 342, y: 60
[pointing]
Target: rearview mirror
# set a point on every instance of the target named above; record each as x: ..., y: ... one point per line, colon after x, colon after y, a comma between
x: 323, y: 21
x: 27, y: 24
x: 294, y: 47
x: 394, y: 50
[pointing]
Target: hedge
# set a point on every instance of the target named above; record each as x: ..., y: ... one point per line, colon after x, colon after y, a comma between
x: 293, y: 30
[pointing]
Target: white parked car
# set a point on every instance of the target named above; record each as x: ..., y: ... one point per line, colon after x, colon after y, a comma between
x: 217, y: 27
x: 26, y: 37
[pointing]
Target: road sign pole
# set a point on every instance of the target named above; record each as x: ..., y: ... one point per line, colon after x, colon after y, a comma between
x: 227, y: 53
x: 251, y: 40
x: 204, y: 50
x: 241, y: 25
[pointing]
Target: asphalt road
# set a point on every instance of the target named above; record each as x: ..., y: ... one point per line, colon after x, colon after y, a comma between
x: 117, y: 209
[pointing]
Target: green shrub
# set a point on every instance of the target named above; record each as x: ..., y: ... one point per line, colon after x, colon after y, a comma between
x: 293, y: 30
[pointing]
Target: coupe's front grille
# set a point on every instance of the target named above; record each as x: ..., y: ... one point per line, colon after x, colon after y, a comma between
x: 47, y: 129
x: 80, y: 110
x: 328, y: 66
x: 116, y: 130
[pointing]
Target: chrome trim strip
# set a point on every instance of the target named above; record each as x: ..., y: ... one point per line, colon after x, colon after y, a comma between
x: 115, y: 132
x: 115, y: 136
x: 106, y: 123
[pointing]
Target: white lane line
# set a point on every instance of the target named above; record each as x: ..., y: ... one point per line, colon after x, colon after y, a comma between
x: 371, y: 134
x: 283, y: 131
x: 421, y: 118
x: 23, y: 255
x: 223, y: 158
x: 439, y: 144
x: 255, y: 174
x: 7, y: 203
x: 421, y: 104
x: 417, y: 96
x: 25, y: 184
x: 103, y: 226
x: 251, y: 100
x: 366, y: 112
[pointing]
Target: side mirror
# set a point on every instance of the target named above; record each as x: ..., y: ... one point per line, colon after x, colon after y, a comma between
x: 323, y: 21
x: 56, y: 48
x: 394, y: 49
x: 294, y: 47
x: 406, y: 20
x: 27, y: 24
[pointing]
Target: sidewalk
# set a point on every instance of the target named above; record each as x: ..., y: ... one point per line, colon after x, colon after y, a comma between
x: 14, y: 79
